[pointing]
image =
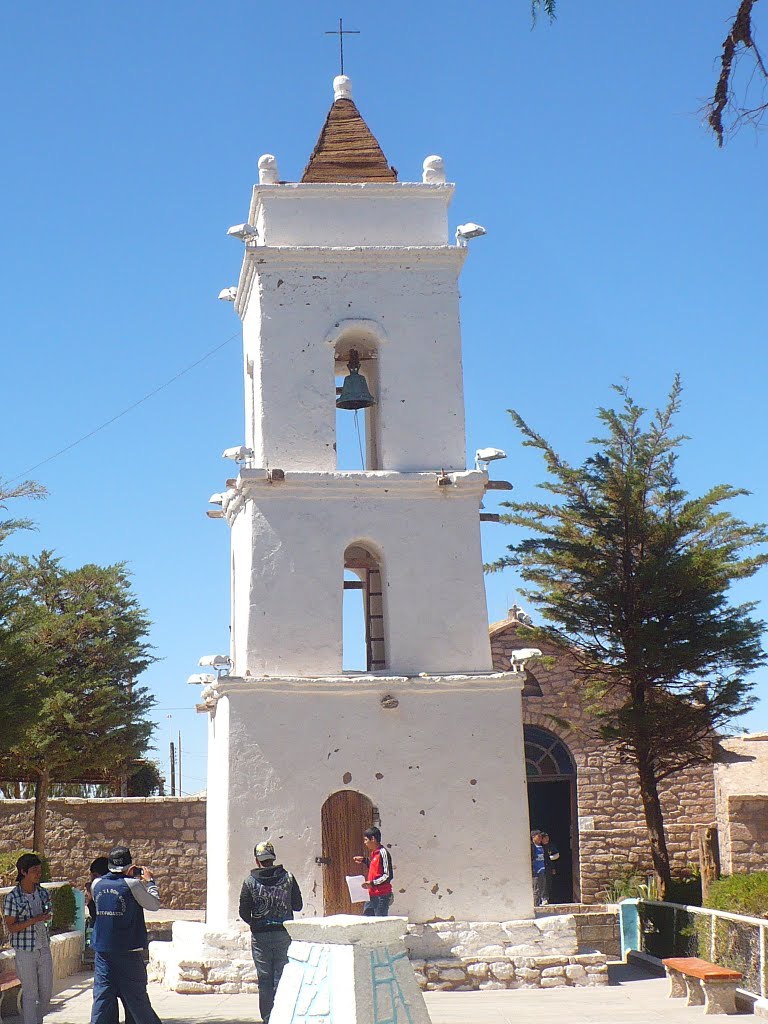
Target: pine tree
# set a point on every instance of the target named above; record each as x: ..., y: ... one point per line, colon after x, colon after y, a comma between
x: 85, y: 636
x: 17, y: 671
x: 633, y: 575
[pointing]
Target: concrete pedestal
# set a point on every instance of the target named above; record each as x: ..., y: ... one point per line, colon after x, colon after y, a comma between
x: 348, y: 970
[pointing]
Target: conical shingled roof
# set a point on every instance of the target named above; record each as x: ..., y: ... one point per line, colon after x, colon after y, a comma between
x: 347, y: 150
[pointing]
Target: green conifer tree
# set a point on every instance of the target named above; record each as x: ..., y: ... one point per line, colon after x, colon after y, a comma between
x: 633, y: 575
x: 85, y: 635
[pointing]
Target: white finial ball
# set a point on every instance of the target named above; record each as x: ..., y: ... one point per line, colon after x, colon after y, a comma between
x: 434, y: 170
x: 268, y: 170
x: 342, y: 88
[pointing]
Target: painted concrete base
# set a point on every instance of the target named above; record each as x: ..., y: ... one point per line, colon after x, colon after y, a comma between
x: 347, y: 969
x: 445, y: 955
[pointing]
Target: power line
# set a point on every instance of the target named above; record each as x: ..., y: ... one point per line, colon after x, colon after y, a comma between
x: 124, y: 412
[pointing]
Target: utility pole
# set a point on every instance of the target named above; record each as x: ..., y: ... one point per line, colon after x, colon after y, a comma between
x: 181, y: 792
x: 173, y: 770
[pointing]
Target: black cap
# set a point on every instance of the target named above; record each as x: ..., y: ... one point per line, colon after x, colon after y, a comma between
x: 120, y: 859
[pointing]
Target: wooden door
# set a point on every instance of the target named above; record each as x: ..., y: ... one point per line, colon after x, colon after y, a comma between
x: 344, y: 817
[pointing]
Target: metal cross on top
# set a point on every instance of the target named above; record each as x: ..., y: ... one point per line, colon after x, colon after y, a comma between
x: 341, y: 32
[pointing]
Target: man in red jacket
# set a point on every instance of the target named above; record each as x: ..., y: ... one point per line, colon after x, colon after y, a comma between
x: 379, y: 884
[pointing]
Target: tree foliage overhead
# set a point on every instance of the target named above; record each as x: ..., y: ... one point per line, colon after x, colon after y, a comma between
x: 84, y: 634
x: 727, y: 111
x: 633, y: 574
x: 17, y: 673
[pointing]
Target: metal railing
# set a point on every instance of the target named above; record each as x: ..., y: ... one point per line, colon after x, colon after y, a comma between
x: 730, y: 940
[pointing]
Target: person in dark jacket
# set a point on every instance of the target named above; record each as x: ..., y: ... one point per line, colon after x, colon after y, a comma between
x: 269, y: 896
x: 552, y: 856
x: 119, y: 939
x: 99, y: 867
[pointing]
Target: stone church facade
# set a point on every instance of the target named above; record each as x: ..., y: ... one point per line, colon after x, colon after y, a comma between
x: 581, y: 793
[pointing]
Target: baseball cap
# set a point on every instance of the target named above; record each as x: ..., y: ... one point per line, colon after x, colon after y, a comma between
x: 120, y: 859
x: 264, y: 851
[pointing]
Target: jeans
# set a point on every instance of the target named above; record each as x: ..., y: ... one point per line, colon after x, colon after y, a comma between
x: 377, y: 906
x: 540, y: 889
x: 270, y: 955
x: 123, y: 975
x: 35, y: 970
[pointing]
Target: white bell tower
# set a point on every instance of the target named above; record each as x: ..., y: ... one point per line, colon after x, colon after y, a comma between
x: 351, y: 265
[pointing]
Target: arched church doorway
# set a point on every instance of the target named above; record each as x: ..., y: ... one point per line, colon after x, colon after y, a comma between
x: 344, y: 817
x: 551, y: 775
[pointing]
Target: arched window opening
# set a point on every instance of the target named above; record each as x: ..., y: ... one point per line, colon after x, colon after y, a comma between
x: 545, y: 754
x: 357, y: 444
x: 363, y: 627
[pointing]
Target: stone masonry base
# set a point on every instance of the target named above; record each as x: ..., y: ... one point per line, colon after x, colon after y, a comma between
x: 445, y: 955
x: 66, y: 952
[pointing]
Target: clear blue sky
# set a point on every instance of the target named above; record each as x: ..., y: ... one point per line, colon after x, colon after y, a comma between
x: 621, y: 243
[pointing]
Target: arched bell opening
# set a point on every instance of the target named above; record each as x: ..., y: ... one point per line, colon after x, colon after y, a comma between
x: 356, y: 375
x: 357, y: 423
x: 363, y: 642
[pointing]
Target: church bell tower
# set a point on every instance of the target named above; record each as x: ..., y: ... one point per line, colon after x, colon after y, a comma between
x: 348, y: 297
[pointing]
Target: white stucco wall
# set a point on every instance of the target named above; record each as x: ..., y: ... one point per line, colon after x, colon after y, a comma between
x: 218, y: 807
x: 292, y: 300
x: 289, y: 541
x: 445, y: 769
x: 375, y: 213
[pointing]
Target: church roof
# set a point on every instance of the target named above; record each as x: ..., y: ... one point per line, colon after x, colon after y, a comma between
x: 347, y: 150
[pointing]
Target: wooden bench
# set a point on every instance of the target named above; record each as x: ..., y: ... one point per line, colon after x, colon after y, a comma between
x: 9, y: 983
x: 703, y: 983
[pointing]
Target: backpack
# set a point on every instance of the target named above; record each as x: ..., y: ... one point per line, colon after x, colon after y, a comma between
x: 272, y: 902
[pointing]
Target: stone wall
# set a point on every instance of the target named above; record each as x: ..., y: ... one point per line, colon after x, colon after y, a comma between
x: 746, y: 845
x: 607, y: 854
x: 165, y: 833
x: 66, y: 953
x: 600, y: 931
x: 741, y: 778
x: 609, y: 838
x: 445, y: 955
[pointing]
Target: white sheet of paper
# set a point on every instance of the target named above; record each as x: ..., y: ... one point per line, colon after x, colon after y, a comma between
x: 357, y: 893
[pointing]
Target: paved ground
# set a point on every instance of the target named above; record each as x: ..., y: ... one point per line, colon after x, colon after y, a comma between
x: 633, y: 998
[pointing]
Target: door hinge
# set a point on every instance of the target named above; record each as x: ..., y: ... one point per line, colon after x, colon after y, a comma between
x: 322, y: 860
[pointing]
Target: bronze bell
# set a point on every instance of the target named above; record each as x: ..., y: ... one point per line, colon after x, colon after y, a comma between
x: 354, y: 391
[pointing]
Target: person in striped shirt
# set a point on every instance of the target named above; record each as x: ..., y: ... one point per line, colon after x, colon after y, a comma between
x: 27, y: 913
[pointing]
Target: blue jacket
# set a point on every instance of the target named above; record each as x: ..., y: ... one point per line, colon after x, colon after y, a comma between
x: 120, y: 926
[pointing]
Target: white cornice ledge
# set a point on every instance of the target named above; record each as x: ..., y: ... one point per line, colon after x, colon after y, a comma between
x: 292, y: 190
x: 410, y: 256
x: 374, y: 684
x: 259, y: 258
x: 257, y: 485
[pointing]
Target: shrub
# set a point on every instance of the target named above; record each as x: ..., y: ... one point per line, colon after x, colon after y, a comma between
x: 628, y: 885
x: 63, y: 907
x: 8, y: 866
x: 741, y: 894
